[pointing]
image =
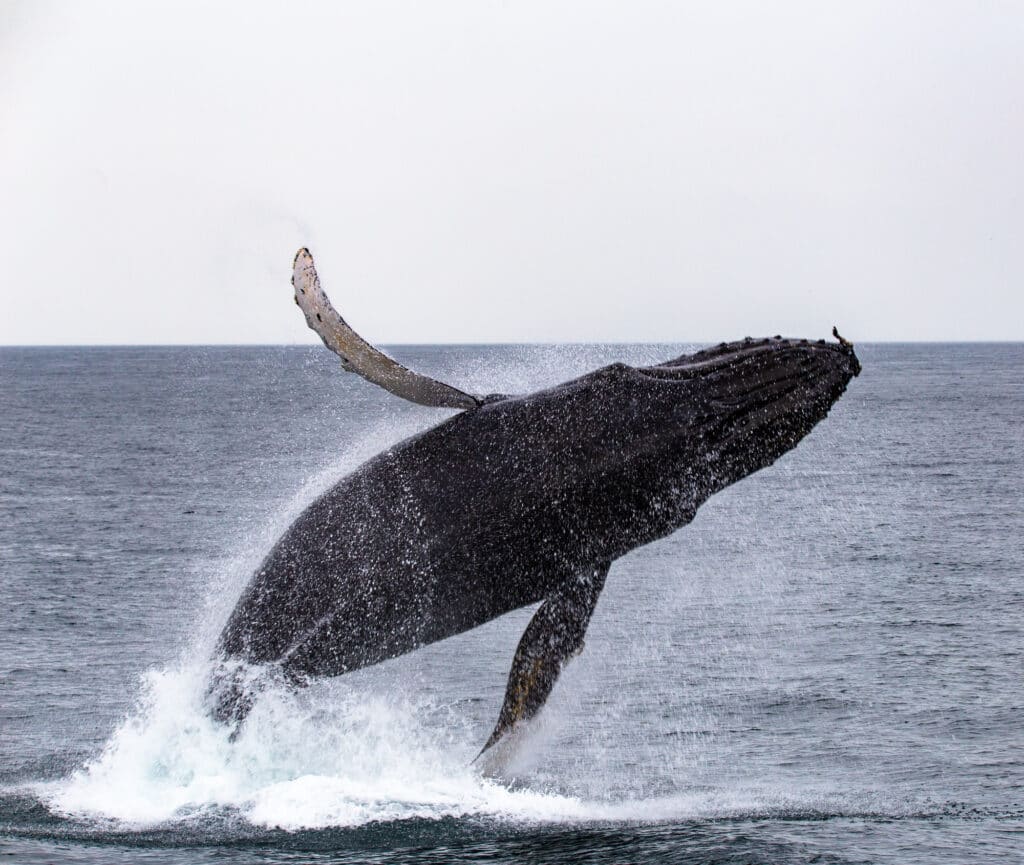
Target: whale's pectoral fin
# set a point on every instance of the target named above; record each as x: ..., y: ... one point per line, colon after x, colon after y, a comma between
x: 357, y: 355
x: 554, y: 636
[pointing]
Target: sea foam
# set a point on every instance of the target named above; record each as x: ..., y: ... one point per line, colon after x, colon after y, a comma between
x: 335, y: 758
x: 300, y: 761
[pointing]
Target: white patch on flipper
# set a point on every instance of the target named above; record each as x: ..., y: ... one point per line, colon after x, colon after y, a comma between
x: 359, y: 356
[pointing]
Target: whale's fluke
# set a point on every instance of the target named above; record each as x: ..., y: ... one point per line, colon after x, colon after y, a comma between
x: 357, y: 355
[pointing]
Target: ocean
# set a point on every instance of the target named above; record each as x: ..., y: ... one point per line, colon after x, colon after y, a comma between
x: 827, y: 665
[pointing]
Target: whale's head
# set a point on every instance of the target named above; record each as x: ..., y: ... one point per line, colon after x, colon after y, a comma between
x: 737, y: 407
x: 651, y: 444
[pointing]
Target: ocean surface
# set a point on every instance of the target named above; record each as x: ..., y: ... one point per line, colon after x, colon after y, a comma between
x: 827, y: 665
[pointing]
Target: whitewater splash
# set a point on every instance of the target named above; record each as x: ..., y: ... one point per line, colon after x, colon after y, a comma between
x: 341, y: 759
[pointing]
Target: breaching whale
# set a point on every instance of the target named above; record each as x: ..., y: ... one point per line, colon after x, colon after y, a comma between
x: 514, y: 500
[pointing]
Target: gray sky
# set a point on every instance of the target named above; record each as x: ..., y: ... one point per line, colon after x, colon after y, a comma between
x: 510, y: 171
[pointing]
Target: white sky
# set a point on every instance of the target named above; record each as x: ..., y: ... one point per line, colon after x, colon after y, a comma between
x: 511, y: 171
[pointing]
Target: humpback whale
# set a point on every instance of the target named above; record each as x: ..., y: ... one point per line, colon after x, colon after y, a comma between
x: 514, y: 500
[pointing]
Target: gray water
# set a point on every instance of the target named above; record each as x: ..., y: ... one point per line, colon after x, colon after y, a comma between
x: 826, y: 666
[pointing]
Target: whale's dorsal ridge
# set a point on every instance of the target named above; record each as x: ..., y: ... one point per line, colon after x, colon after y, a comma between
x: 358, y: 356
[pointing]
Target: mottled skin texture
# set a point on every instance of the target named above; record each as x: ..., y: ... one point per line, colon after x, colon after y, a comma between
x: 525, y: 499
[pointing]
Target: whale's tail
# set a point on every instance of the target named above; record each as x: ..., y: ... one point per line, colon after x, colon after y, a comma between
x: 234, y: 686
x: 228, y: 697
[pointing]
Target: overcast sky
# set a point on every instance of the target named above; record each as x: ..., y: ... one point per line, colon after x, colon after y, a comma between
x: 510, y: 171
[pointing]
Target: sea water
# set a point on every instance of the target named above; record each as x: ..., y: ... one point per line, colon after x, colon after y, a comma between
x: 826, y: 665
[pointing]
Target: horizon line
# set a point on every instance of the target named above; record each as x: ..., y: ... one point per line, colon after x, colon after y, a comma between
x: 461, y: 344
